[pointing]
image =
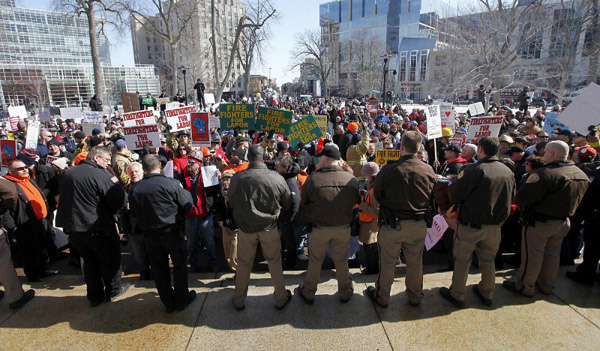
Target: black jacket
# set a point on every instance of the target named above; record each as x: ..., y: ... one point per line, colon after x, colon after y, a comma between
x: 344, y: 142
x: 291, y: 178
x: 96, y: 104
x: 89, y: 197
x: 23, y: 212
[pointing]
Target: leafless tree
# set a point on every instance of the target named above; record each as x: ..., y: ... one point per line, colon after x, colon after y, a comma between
x: 366, y: 65
x: 309, y: 45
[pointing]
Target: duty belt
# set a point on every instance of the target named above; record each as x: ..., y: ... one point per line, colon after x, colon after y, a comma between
x: 472, y: 225
x: 543, y: 218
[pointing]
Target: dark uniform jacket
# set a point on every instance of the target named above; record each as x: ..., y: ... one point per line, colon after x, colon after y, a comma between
x: 258, y: 196
x: 23, y: 212
x: 405, y: 187
x: 89, y: 197
x: 330, y: 195
x: 554, y: 190
x: 484, y: 191
x: 159, y: 204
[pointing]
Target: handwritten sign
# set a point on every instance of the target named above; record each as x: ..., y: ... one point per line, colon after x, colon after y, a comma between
x: 73, y: 113
x: 13, y: 122
x: 179, y: 118
x: 304, y: 131
x: 236, y: 115
x: 447, y: 116
x: 9, y: 150
x: 476, y: 109
x: 434, y: 121
x: 435, y: 233
x: 322, y: 123
x: 138, y: 118
x: 552, y: 123
x: 383, y: 156
x: 269, y: 119
x: 93, y: 117
x: 484, y: 126
x: 210, y: 176
x: 163, y: 100
x: 200, y: 128
x: 213, y: 122
x: 18, y: 111
x: 137, y: 137
x: 33, y: 132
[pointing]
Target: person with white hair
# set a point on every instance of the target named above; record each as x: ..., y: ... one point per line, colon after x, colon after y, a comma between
x: 548, y: 198
x: 469, y: 151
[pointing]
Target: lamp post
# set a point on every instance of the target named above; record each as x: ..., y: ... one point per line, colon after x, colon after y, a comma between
x: 184, y: 71
x: 385, y: 72
x: 269, y: 77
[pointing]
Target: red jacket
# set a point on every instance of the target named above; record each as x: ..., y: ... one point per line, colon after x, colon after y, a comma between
x: 200, y: 209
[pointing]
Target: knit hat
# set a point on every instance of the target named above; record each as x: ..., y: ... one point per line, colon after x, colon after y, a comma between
x: 370, y: 169
x: 61, y: 162
x: 353, y: 126
x: 96, y: 131
x: 282, y: 146
x: 79, y: 135
x: 27, y: 156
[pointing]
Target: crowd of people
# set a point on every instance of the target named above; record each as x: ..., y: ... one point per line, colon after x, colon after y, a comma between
x: 526, y: 198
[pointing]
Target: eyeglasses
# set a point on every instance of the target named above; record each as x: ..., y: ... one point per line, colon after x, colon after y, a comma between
x: 191, y: 162
x: 19, y: 169
x: 543, y: 137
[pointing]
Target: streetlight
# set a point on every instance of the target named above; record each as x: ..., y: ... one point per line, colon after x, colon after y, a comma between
x: 385, y: 72
x: 269, y: 77
x: 184, y: 71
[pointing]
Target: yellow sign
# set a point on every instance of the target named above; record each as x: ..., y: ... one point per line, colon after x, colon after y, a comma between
x: 383, y: 156
x: 322, y: 123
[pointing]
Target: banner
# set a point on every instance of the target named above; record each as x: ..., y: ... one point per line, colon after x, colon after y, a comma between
x: 33, y: 133
x: 137, y: 137
x: 551, y: 123
x: 476, y: 109
x: 9, y: 150
x: 434, y: 121
x: 93, y: 117
x: 200, y: 130
x: 89, y: 127
x: 179, y: 118
x: 44, y: 114
x: 322, y: 123
x: 18, y: 111
x: 138, y: 118
x: 304, y: 131
x: 484, y: 126
x: 269, y: 119
x: 383, y: 156
x: 236, y: 115
x: 447, y: 116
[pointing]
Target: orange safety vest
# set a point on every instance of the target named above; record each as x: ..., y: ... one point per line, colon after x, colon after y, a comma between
x: 366, y: 216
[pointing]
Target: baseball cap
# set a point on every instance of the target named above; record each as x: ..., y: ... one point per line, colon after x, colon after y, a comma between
x: 453, y: 147
x: 586, y: 153
x: 119, y: 144
x: 96, y: 131
x: 330, y: 150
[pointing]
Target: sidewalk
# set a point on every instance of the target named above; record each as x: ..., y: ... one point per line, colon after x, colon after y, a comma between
x: 60, y: 318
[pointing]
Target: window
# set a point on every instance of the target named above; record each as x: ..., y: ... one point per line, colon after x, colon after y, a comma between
x: 533, y: 48
x: 403, y: 66
x: 424, y: 59
x: 564, y: 31
x: 413, y: 66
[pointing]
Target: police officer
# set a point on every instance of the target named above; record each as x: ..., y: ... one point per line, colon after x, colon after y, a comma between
x: 159, y: 204
x: 483, y: 191
x: 403, y: 190
x: 548, y: 197
x: 89, y: 198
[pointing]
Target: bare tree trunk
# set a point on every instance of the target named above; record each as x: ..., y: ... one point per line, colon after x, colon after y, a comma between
x: 173, y: 65
x: 216, y: 62
x: 98, y: 79
x: 595, y: 30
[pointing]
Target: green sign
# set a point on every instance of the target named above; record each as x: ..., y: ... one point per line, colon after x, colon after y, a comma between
x: 148, y: 101
x: 236, y: 115
x: 304, y: 131
x: 269, y: 119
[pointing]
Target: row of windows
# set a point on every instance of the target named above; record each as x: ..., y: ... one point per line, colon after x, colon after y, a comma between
x: 408, y: 66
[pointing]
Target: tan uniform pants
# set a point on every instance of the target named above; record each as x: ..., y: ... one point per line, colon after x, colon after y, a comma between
x: 410, y: 238
x: 540, y: 255
x: 485, y: 242
x: 338, y: 238
x: 8, y: 275
x: 230, y: 246
x: 270, y: 243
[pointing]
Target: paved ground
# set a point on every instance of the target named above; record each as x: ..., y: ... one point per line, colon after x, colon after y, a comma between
x: 60, y: 318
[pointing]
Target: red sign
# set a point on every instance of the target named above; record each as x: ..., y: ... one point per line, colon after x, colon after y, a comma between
x: 200, y: 130
x: 14, y: 121
x: 9, y: 150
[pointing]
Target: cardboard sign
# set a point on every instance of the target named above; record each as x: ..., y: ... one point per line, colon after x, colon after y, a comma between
x: 93, y: 117
x: 269, y: 119
x: 137, y: 137
x: 71, y: 113
x: 9, y: 150
x: 476, y: 109
x: 304, y: 131
x: 18, y: 111
x: 89, y: 127
x: 321, y: 122
x: 583, y: 111
x: 163, y: 100
x: 210, y: 176
x: 44, y: 114
x: 214, y: 122
x: 13, y: 122
x: 236, y: 115
x: 447, y: 116
x: 200, y: 128
x: 131, y: 102
x: 138, y: 118
x: 434, y: 121
x: 435, y: 233
x: 33, y: 133
x: 179, y: 118
x: 383, y: 156
x: 484, y: 126
x: 553, y: 123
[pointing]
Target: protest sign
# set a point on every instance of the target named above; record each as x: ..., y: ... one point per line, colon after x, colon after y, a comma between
x: 209, y: 99
x: 457, y: 141
x: 304, y: 131
x: 583, y: 111
x: 18, y: 111
x: 93, y: 117
x: 447, y: 115
x: 33, y: 133
x: 214, y: 122
x: 236, y: 115
x: 9, y: 150
x: 210, y: 176
x: 13, y: 121
x: 137, y: 137
x: 476, y: 109
x: 179, y: 118
x: 131, y: 102
x: 138, y: 118
x: 269, y: 119
x: 551, y: 123
x: 50, y: 159
x: 434, y: 121
x: 89, y: 127
x: 434, y: 234
x: 484, y: 126
x: 383, y: 156
x: 44, y: 114
x: 200, y: 130
x: 163, y: 100
x: 321, y: 122
x: 73, y: 113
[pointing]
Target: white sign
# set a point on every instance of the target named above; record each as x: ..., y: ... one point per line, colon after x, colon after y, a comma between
x: 476, y: 109
x: 179, y: 118
x: 209, y: 99
x: 137, y: 137
x: 435, y: 233
x: 214, y: 122
x: 484, y: 126
x: 434, y: 121
x: 33, y: 133
x: 138, y: 118
x: 71, y: 113
x: 43, y: 114
x: 447, y: 116
x: 18, y: 111
x: 210, y: 176
x: 583, y: 111
x: 89, y: 127
x: 93, y: 117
